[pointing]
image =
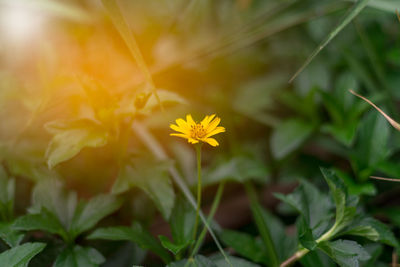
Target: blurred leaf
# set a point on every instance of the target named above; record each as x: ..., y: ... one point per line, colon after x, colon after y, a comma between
x: 288, y: 136
x: 44, y: 221
x: 9, y: 235
x: 346, y: 253
x: 174, y: 248
x: 150, y: 176
x: 166, y: 97
x: 49, y: 193
x: 197, y: 261
x: 78, y: 256
x: 317, y: 258
x: 220, y: 261
x: 7, y: 191
x: 259, y: 93
x: 372, y: 143
x: 245, y: 245
x: 355, y: 188
x: 136, y: 234
x: 357, y: 8
x: 20, y: 256
x: 90, y: 213
x: 68, y: 140
x: 182, y: 221
x: 239, y: 169
x: 262, y: 225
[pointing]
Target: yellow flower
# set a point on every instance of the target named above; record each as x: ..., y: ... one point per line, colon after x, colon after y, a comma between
x: 196, y: 132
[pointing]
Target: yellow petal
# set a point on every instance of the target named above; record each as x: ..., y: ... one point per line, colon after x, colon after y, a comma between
x: 217, y: 130
x: 182, y: 124
x: 178, y: 129
x: 206, y: 121
x: 211, y: 141
x: 179, y: 135
x: 213, y: 125
x: 192, y: 141
x: 190, y: 120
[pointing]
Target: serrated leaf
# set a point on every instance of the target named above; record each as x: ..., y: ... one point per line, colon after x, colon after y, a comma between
x: 245, y: 245
x: 152, y: 177
x: 372, y: 229
x: 89, y: 214
x: 288, y: 136
x: 78, y: 256
x: 136, y: 234
x: 344, y: 252
x: 20, y: 256
x: 71, y: 138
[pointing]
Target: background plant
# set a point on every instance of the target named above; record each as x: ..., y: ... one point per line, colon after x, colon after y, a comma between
x: 87, y: 163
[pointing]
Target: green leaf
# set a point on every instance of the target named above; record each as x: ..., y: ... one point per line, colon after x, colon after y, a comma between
x: 89, y: 214
x: 9, y: 235
x: 338, y: 192
x: 44, y: 221
x: 136, y: 234
x: 20, y: 256
x: 70, y: 138
x: 310, y: 202
x: 152, y: 177
x: 50, y: 194
x: 262, y: 225
x: 346, y: 253
x: 220, y: 261
x: 372, y: 229
x: 197, y: 261
x: 289, y: 136
x: 305, y: 234
x: 78, y: 256
x: 372, y: 143
x: 182, y: 221
x: 239, y: 169
x: 245, y: 245
x: 357, y: 8
x: 174, y: 248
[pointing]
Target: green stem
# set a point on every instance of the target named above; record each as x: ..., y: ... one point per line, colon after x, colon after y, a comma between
x: 198, y: 156
x: 303, y: 251
x: 214, y: 207
x: 261, y: 224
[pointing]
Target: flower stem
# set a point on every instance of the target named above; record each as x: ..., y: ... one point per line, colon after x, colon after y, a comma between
x: 214, y: 207
x: 198, y: 156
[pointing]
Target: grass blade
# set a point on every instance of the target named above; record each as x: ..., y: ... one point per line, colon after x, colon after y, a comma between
x: 348, y: 18
x: 127, y: 35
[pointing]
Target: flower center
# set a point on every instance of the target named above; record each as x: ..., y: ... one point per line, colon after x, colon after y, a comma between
x: 197, y: 131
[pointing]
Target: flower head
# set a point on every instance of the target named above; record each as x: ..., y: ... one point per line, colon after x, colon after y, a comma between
x: 195, y: 132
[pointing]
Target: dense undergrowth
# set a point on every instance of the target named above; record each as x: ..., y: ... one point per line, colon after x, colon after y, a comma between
x: 90, y: 175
